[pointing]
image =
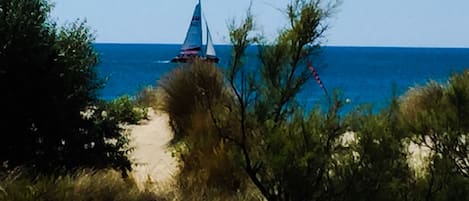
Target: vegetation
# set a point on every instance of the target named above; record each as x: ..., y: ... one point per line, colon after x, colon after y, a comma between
x: 83, y: 185
x: 436, y: 118
x: 149, y: 97
x: 188, y: 92
x: 239, y: 134
x: 325, y: 156
x: 248, y: 125
x: 125, y: 109
x: 54, y: 120
x: 246, y: 133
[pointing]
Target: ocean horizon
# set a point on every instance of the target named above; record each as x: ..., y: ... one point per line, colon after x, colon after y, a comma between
x: 364, y: 75
x: 332, y: 45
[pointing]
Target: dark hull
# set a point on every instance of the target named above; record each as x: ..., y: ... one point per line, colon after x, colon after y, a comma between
x: 179, y: 60
x: 191, y: 59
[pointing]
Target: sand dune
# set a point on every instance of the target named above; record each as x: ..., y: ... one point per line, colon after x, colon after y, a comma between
x: 151, y: 155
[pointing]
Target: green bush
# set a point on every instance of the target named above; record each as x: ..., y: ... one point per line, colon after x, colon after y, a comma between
x: 52, y: 115
x: 123, y: 109
x: 436, y: 116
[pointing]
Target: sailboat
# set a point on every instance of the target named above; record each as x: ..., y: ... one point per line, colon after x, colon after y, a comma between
x: 192, y: 46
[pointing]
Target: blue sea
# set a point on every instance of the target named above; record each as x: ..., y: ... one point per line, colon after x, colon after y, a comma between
x: 365, y: 75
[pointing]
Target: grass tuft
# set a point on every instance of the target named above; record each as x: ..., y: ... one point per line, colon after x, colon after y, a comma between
x: 83, y: 185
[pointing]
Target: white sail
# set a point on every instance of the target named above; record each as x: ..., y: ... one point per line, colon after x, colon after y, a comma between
x: 193, y: 39
x: 210, y: 50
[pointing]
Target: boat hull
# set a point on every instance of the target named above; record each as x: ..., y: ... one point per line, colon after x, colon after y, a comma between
x: 193, y: 58
x: 179, y: 60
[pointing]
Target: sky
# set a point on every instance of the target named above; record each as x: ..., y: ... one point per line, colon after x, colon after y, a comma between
x: 390, y: 23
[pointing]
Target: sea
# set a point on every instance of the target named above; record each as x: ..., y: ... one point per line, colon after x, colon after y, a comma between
x: 362, y: 75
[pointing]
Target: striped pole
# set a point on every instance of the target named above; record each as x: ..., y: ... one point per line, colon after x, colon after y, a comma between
x: 316, y: 77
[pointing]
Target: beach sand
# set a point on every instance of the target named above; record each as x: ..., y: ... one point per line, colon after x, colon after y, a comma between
x: 151, y: 155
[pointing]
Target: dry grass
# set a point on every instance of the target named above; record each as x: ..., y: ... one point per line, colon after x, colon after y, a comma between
x: 438, y: 98
x: 421, y: 98
x: 189, y: 89
x: 150, y: 97
x: 84, y: 185
x: 196, y: 99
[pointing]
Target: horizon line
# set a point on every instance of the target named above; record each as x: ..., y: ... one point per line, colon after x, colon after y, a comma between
x: 331, y: 45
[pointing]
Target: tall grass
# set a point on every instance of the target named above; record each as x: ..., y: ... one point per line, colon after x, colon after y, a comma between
x: 186, y: 91
x: 421, y: 98
x: 196, y: 99
x: 150, y: 97
x: 83, y: 185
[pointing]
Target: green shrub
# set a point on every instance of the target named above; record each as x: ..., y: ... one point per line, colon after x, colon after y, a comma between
x: 123, y: 109
x: 48, y: 81
x: 436, y: 116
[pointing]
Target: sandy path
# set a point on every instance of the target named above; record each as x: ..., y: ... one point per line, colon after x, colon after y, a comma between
x: 151, y: 154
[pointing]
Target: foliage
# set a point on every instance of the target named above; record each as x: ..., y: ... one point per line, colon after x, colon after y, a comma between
x: 256, y: 130
x: 207, y: 164
x: 380, y: 166
x: 239, y: 126
x: 83, y: 185
x: 123, y: 109
x: 436, y: 116
x: 53, y: 118
x: 266, y: 112
x: 185, y: 91
x: 149, y: 97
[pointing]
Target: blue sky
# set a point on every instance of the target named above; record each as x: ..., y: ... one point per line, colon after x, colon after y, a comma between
x: 408, y: 23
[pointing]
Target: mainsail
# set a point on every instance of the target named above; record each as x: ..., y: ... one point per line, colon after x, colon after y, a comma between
x: 193, y: 42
